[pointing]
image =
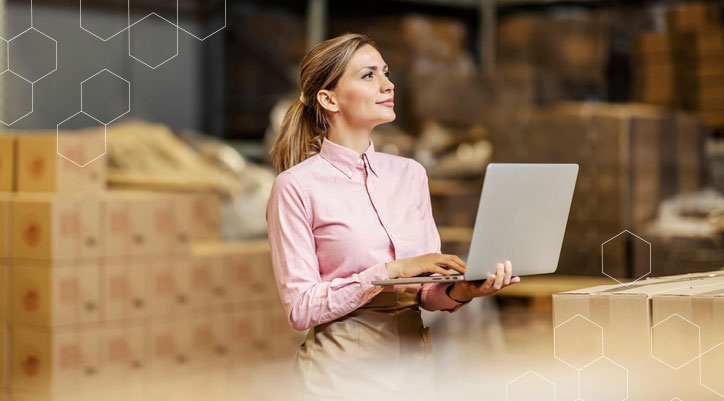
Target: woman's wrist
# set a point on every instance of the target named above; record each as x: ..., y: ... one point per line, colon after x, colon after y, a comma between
x: 392, y: 269
x: 452, y: 294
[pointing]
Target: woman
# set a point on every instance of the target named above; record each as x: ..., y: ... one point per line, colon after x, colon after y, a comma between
x: 342, y: 215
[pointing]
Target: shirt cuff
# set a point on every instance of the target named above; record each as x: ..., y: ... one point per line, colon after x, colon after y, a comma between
x: 366, y: 277
x: 434, y: 297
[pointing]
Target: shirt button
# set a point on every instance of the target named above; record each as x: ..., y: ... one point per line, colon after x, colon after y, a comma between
x: 359, y: 162
x: 392, y: 235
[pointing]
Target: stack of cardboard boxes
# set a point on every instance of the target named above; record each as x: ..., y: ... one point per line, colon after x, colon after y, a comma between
x: 684, y: 66
x: 115, y: 288
x: 630, y: 156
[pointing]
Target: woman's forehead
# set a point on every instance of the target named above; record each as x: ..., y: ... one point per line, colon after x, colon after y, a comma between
x: 366, y: 56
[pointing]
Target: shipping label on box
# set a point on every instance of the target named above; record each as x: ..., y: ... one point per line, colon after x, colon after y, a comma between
x: 123, y: 353
x: 53, y: 360
x: 7, y: 162
x: 50, y: 227
x: 54, y: 294
x: 125, y: 290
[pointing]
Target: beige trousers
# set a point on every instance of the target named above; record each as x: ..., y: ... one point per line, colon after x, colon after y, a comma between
x: 381, y: 351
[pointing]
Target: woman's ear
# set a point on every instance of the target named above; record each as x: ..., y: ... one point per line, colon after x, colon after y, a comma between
x: 327, y: 100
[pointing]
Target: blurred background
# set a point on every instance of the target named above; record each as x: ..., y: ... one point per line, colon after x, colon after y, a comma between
x: 134, y: 173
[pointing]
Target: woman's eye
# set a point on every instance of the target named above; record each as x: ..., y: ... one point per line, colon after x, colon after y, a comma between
x: 369, y: 74
x: 387, y: 74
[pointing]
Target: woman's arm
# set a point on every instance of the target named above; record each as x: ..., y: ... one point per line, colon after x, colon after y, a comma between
x: 432, y: 296
x: 307, y: 299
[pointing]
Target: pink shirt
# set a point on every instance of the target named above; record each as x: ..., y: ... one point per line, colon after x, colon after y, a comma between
x: 335, y: 219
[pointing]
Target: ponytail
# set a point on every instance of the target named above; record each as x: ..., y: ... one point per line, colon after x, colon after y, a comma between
x: 299, y: 137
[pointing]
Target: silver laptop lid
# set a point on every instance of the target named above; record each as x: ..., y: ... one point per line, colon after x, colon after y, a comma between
x: 521, y: 217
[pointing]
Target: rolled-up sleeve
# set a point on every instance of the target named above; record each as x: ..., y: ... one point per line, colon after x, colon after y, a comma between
x: 433, y: 296
x: 309, y: 301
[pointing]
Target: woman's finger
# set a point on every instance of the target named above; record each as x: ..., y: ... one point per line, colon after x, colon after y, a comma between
x: 515, y: 279
x: 450, y: 261
x: 438, y: 269
x: 488, y: 283
x: 508, y: 273
x: 499, y: 276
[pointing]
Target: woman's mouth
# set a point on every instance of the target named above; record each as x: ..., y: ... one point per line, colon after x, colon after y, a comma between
x: 388, y: 103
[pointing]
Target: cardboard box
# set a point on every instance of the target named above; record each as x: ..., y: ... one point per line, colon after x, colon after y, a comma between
x: 55, y: 360
x: 4, y: 348
x: 125, y: 290
x: 208, y: 287
x: 205, y: 212
x: 140, y: 223
x: 210, y: 339
x: 247, y: 269
x: 628, y: 324
x: 169, y: 348
x: 4, y: 272
x: 169, y: 288
x: 5, y: 198
x: 40, y: 168
x: 7, y: 162
x: 123, y: 353
x: 55, y: 227
x: 54, y: 294
x: 249, y: 333
x: 125, y: 224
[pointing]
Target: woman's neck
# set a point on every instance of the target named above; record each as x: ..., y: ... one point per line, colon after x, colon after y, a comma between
x: 358, y: 141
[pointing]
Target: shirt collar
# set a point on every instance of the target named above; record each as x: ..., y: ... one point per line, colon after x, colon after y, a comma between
x: 345, y: 159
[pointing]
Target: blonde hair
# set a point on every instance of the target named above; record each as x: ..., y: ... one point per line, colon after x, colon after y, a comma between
x: 305, y: 124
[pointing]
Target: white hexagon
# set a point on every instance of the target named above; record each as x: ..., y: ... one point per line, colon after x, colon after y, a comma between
x: 105, y: 81
x: 671, y: 341
x: 711, y: 366
x: 578, y: 342
x: 42, y: 45
x: 536, y: 386
x: 598, y: 381
x: 72, y: 123
x: 4, y: 64
x: 202, y: 37
x: 105, y: 39
x: 14, y: 111
x: 603, y: 264
x: 140, y: 25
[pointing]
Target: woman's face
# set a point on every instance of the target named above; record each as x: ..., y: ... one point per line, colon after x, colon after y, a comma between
x: 364, y: 94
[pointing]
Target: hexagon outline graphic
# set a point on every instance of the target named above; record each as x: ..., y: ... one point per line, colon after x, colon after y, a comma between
x: 700, y: 379
x: 554, y: 341
x: 80, y: 18
x: 128, y: 83
x: 130, y: 54
x: 7, y: 56
x: 613, y: 362
x: 611, y: 239
x: 32, y: 98
x: 212, y: 33
x: 55, y: 42
x: 507, y: 385
x: 105, y: 142
x: 651, y: 347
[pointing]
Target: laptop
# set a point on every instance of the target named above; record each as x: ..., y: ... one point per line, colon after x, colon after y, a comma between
x: 521, y: 217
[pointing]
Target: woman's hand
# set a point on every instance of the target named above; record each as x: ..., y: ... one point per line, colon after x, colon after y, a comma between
x: 464, y: 291
x: 430, y: 263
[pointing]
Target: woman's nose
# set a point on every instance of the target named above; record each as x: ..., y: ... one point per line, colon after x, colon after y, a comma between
x: 388, y: 86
